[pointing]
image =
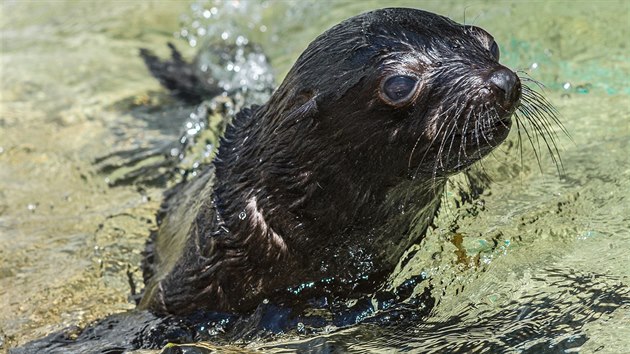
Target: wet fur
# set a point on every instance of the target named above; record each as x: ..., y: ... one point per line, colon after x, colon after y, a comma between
x: 324, y: 183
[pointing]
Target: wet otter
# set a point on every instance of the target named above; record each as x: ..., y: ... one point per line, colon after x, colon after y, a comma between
x: 317, y: 193
x: 323, y: 188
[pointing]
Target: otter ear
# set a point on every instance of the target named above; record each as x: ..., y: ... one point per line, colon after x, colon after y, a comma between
x: 486, y: 40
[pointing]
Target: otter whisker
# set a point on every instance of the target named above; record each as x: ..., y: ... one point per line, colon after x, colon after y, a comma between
x: 462, y: 145
x: 528, y: 78
x: 453, y: 135
x: 437, y: 133
x: 530, y: 96
x: 531, y: 119
x: 477, y: 134
x: 439, y: 162
x: 529, y: 137
x: 483, y: 135
x: 442, y: 117
x: 536, y: 102
x: 444, y: 122
x: 520, y: 140
x: 442, y: 145
x: 538, y: 118
x: 540, y: 113
x: 493, y: 115
x: 413, y: 150
x: 539, y: 103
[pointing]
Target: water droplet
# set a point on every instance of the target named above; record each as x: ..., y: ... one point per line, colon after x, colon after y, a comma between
x: 240, y: 40
x: 566, y: 86
x: 242, y: 215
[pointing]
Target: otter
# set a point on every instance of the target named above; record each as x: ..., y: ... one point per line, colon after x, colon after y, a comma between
x: 321, y: 190
x: 318, y: 193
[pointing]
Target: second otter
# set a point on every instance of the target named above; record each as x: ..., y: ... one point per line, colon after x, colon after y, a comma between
x: 328, y: 183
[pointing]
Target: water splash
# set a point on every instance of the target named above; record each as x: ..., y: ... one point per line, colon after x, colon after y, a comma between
x: 230, y: 21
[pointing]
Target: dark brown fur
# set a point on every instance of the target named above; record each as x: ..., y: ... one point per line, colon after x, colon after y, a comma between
x: 327, y: 184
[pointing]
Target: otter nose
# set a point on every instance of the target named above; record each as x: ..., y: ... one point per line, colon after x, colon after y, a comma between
x: 507, y: 81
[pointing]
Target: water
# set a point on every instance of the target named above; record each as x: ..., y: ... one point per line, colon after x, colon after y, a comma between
x: 539, y: 264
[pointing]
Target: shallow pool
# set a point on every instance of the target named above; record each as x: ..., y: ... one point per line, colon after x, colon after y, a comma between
x: 547, y: 254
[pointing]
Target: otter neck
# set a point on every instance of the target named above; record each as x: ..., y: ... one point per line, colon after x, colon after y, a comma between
x: 309, y: 185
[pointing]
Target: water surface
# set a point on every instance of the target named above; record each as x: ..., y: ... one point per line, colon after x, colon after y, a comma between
x: 548, y: 255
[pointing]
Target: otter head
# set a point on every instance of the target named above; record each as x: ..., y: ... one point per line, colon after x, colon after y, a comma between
x: 423, y: 94
x: 341, y: 171
x: 379, y: 100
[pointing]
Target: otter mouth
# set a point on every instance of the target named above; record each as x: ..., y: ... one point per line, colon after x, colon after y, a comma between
x: 484, y: 128
x: 462, y: 136
x: 472, y: 126
x: 491, y: 110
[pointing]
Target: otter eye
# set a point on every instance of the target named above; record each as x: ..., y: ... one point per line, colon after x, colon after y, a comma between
x: 494, y: 50
x: 397, y: 90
